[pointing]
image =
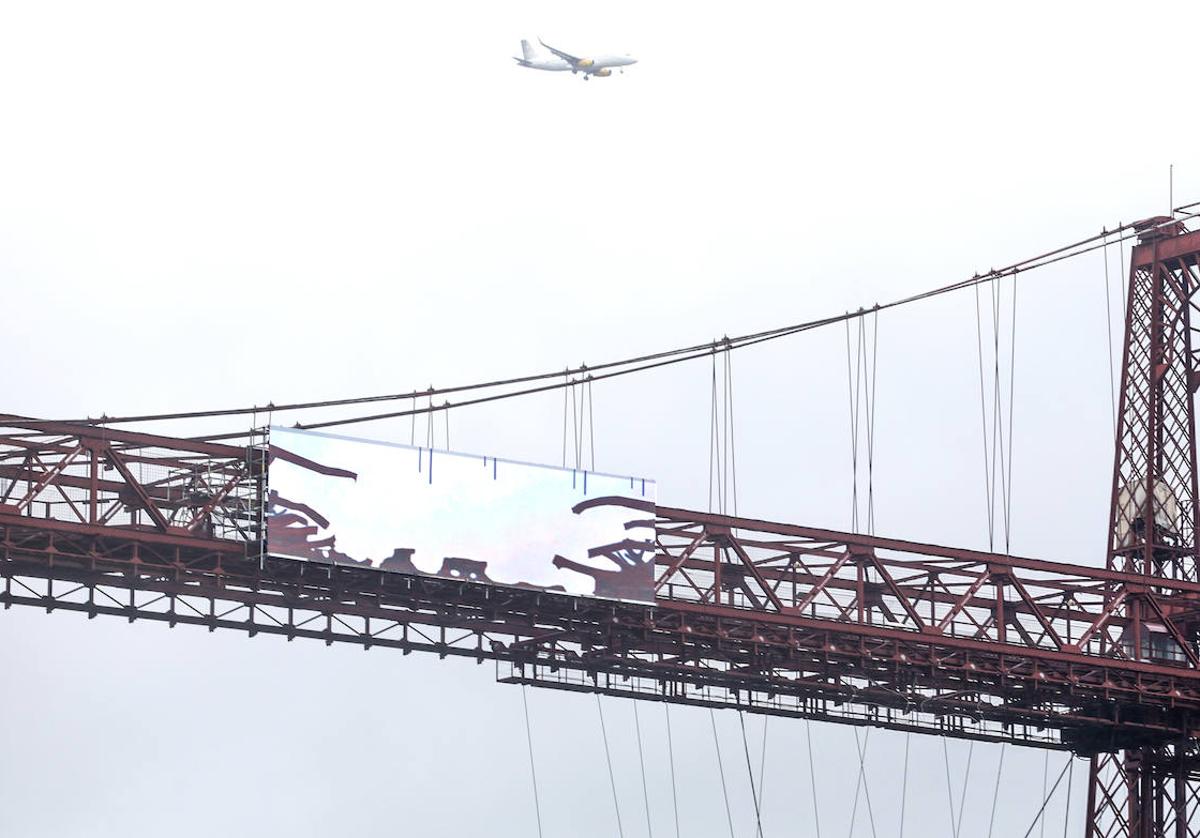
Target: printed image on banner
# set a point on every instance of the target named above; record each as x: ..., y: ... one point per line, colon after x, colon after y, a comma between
x: 460, y: 516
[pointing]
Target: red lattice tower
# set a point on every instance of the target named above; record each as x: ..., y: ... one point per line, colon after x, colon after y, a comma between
x: 1152, y: 792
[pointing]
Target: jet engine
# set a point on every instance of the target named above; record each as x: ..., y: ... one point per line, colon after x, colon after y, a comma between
x: 586, y: 62
x: 606, y: 71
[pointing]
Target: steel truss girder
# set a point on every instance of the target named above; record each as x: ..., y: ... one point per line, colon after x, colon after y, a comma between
x: 848, y: 661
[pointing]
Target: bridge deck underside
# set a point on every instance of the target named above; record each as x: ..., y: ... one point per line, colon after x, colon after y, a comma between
x: 690, y: 647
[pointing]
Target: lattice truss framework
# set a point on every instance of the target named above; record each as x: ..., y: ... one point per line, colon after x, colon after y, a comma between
x: 1152, y: 791
x: 770, y: 618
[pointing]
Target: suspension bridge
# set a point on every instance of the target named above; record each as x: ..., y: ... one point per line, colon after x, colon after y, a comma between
x: 774, y: 618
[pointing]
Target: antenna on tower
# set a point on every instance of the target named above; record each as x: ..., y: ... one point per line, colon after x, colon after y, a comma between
x: 1171, y: 190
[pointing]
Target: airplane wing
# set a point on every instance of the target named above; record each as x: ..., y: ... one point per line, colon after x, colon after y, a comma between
x: 565, y: 56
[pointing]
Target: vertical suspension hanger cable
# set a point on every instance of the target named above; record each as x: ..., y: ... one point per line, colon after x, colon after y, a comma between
x: 712, y: 717
x: 1070, y: 775
x: 812, y: 776
x: 1045, y: 798
x: 642, y: 762
x: 987, y: 485
x: 949, y: 789
x: 714, y: 465
x: 1112, y: 375
x: 861, y: 785
x: 429, y: 421
x: 871, y: 423
x: 608, y: 758
x: 671, y: 758
x: 750, y: 773
x: 1012, y: 380
x: 581, y: 421
x: 852, y: 394
x: 962, y: 799
x: 996, y: 791
x: 762, y: 763
x: 537, y: 805
x: 591, y: 422
x: 731, y: 434
x: 998, y: 470
x: 564, y: 438
x: 446, y: 411
x: 904, y: 782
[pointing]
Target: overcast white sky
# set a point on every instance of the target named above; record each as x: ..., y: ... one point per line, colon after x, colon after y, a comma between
x: 221, y: 204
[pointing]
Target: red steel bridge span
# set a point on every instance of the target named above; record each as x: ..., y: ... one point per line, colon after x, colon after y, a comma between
x: 765, y: 617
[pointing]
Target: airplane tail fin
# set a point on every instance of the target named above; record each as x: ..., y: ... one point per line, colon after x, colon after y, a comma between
x: 527, y: 51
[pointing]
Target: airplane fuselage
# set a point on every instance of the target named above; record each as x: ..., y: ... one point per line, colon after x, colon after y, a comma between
x: 558, y: 61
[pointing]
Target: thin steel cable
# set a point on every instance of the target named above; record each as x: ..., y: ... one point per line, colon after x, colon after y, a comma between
x: 871, y: 427
x: 1112, y: 373
x: 714, y: 443
x: 861, y: 748
x: 1046, y: 800
x: 712, y: 717
x: 852, y: 392
x: 750, y: 773
x: 1070, y: 776
x: 429, y: 423
x: 1012, y: 380
x: 642, y: 762
x: 762, y: 763
x: 671, y: 757
x: 537, y: 806
x: 564, y: 439
x: 996, y: 791
x: 987, y: 486
x: 997, y: 412
x: 412, y: 432
x: 638, y: 364
x: 608, y: 758
x: 731, y: 435
x: 447, y: 414
x: 904, y: 783
x: 577, y: 406
x: 725, y: 432
x: 962, y: 799
x: 1045, y: 775
x: 949, y: 789
x: 812, y: 776
x: 591, y: 423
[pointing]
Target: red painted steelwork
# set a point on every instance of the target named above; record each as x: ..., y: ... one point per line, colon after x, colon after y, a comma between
x: 773, y: 618
x: 770, y: 618
x: 1152, y: 791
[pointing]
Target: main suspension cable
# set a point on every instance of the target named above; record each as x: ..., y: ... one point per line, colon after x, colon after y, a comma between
x: 640, y: 363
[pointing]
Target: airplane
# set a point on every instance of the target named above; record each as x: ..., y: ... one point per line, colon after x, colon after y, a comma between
x: 600, y: 65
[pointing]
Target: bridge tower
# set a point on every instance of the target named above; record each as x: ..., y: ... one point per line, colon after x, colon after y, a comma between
x: 1154, y: 792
